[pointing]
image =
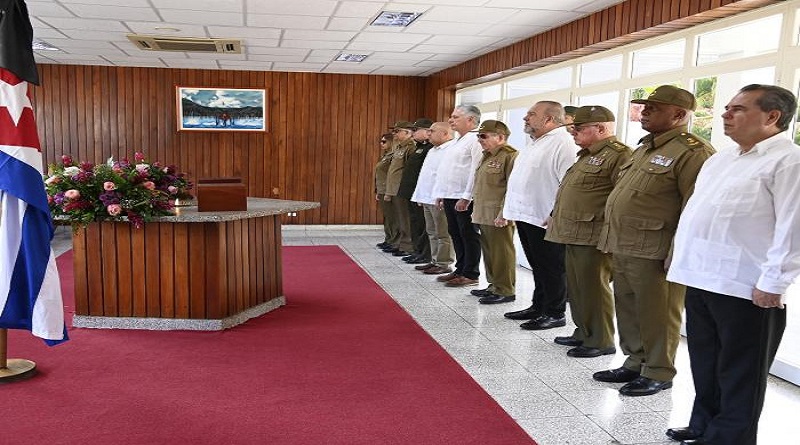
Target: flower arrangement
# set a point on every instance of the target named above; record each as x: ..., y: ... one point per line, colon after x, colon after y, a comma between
x: 117, y: 190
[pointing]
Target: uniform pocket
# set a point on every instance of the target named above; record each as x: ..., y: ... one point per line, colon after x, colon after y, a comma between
x: 577, y: 225
x: 642, y: 234
x: 654, y: 179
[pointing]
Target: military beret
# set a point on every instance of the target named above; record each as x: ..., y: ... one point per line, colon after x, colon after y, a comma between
x: 593, y: 113
x: 494, y: 127
x: 672, y: 95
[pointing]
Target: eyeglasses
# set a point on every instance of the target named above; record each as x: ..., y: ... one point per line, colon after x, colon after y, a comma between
x: 383, y: 141
x: 484, y: 135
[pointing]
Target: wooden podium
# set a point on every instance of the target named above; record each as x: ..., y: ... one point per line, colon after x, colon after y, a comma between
x: 195, y: 270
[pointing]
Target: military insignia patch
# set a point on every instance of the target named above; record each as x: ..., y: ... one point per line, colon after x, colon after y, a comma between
x: 662, y: 160
x: 419, y: 150
x: 593, y: 160
x: 494, y: 164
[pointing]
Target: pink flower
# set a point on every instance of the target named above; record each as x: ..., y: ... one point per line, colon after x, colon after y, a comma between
x: 72, y: 194
x: 138, y: 156
x: 66, y: 160
x: 142, y: 168
x: 172, y: 190
x: 114, y: 209
x: 149, y: 185
x: 108, y: 186
x: 116, y: 168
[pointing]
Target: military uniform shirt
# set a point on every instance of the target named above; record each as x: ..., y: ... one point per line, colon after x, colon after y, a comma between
x: 381, y: 171
x: 643, y: 209
x: 401, y: 152
x: 412, y: 168
x: 581, y: 200
x: 491, y: 180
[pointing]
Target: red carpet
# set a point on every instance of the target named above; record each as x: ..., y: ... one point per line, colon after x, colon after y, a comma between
x: 341, y: 363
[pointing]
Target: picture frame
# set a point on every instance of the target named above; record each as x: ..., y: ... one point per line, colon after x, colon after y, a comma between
x: 221, y: 109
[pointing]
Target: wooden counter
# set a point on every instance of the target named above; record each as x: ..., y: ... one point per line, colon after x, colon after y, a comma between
x: 201, y: 271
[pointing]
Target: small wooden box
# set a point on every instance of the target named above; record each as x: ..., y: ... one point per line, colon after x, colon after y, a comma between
x: 221, y: 195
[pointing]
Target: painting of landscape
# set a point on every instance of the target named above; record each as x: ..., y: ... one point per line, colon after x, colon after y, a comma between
x: 221, y: 109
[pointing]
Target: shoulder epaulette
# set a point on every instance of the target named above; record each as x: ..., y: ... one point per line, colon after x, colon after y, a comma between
x: 617, y: 146
x: 692, y: 141
x: 509, y: 148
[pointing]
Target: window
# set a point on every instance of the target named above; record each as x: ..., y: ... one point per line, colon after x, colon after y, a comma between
x: 705, y: 91
x: 656, y: 59
x: 513, y: 119
x: 541, y: 83
x: 608, y: 100
x: 740, y: 41
x: 601, y: 70
x: 476, y: 96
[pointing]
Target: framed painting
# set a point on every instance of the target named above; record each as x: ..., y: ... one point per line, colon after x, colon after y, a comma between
x: 221, y: 109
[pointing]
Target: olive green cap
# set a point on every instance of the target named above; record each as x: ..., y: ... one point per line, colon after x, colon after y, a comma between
x: 422, y: 123
x: 403, y: 124
x: 672, y: 95
x: 592, y: 114
x: 569, y: 110
x: 494, y: 127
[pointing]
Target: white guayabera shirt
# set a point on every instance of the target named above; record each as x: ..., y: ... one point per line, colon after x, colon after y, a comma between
x: 741, y: 227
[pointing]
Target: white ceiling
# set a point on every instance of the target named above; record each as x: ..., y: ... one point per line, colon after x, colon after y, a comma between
x: 296, y: 35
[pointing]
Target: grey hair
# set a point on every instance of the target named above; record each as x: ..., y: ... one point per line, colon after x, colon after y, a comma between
x: 554, y: 110
x: 471, y: 111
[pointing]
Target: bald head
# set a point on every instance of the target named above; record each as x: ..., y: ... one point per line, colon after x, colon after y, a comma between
x: 440, y: 133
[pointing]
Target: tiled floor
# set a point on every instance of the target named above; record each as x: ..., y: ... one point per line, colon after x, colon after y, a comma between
x: 552, y: 396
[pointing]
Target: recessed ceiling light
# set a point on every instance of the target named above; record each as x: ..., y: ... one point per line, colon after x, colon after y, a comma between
x: 344, y: 57
x: 41, y: 45
x: 392, y: 18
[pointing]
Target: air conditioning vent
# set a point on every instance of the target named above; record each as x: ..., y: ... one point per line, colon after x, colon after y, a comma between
x: 187, y: 44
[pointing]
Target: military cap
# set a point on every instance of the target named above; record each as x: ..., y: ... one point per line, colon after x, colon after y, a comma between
x: 569, y: 110
x: 403, y: 124
x: 422, y: 123
x: 672, y: 95
x: 592, y: 114
x: 494, y: 127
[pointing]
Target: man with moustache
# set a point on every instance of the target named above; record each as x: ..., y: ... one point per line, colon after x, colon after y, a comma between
x: 641, y: 216
x: 455, y: 179
x: 497, y: 235
x: 441, y: 136
x: 576, y: 223
x: 532, y: 189
x: 737, y: 248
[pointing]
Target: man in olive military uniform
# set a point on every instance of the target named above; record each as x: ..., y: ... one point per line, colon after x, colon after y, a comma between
x: 408, y: 182
x: 497, y: 235
x: 403, y: 147
x: 391, y: 234
x: 576, y: 222
x: 640, y: 220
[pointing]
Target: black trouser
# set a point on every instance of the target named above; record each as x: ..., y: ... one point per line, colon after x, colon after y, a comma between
x: 466, y: 239
x: 547, y: 263
x: 419, y: 237
x: 732, y: 344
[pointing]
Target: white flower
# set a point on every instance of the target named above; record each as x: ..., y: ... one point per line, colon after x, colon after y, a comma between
x: 71, y: 171
x: 142, y: 167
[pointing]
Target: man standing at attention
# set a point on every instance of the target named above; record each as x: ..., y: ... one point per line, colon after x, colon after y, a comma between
x: 640, y: 220
x: 408, y: 182
x: 381, y: 171
x: 576, y: 223
x: 403, y: 146
x: 737, y: 249
x: 441, y: 135
x: 532, y: 189
x: 497, y: 235
x: 453, y: 191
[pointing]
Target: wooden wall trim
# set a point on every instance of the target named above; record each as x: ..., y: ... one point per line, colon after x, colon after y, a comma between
x: 618, y: 25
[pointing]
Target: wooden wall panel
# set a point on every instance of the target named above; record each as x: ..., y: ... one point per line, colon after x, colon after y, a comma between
x: 321, y: 145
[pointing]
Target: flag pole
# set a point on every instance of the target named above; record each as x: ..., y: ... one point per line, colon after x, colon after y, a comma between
x: 16, y: 368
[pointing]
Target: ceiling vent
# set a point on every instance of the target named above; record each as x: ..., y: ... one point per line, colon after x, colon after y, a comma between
x: 187, y: 44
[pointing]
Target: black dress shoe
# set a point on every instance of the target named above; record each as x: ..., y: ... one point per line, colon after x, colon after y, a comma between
x: 481, y: 292
x: 408, y: 258
x: 567, y: 341
x: 525, y: 314
x: 693, y: 442
x: 400, y: 253
x: 419, y: 260
x: 425, y: 266
x: 382, y: 245
x: 643, y: 386
x: 496, y: 299
x: 587, y: 352
x: 683, y: 433
x: 544, y: 322
x: 390, y: 249
x: 618, y: 375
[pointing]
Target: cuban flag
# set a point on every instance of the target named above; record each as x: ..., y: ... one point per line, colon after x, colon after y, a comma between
x: 30, y: 289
